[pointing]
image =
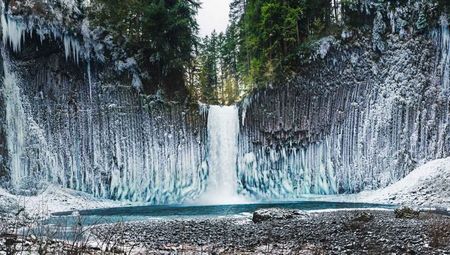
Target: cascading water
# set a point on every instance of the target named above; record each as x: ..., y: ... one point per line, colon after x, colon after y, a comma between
x: 223, y: 132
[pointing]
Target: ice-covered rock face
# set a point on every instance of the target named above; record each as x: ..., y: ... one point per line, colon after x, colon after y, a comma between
x: 65, y: 127
x: 358, y: 120
x: 66, y: 122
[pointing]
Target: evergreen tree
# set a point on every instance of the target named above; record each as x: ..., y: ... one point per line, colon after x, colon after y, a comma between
x: 160, y: 33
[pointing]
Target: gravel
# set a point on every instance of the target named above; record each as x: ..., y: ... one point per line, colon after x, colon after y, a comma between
x: 318, y: 233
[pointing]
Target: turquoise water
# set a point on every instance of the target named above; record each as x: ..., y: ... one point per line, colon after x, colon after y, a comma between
x: 138, y: 213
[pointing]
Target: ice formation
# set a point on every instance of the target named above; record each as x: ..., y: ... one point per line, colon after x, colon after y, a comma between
x: 443, y: 40
x: 357, y: 136
x: 104, y: 143
x: 15, y: 31
x: 72, y: 49
x: 15, y: 125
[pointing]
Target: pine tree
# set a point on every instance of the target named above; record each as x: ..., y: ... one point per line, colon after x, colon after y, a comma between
x: 161, y: 34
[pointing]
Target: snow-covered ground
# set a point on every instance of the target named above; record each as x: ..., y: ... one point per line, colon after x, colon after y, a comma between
x: 427, y: 187
x: 55, y: 199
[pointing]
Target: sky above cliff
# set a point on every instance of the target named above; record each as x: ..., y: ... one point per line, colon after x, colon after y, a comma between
x: 213, y: 15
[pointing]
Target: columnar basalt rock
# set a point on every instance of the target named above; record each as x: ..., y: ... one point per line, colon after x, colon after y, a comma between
x: 68, y: 122
x: 359, y: 119
x: 102, y: 138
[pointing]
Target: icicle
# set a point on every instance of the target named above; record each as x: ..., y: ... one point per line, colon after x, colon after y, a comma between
x: 89, y: 80
x: 15, y: 30
x: 13, y: 33
x: 72, y: 49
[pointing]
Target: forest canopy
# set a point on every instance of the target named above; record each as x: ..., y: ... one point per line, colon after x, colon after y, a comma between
x: 161, y: 34
x: 265, y: 44
x: 260, y: 47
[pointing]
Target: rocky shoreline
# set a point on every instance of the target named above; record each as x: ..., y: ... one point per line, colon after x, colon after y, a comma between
x: 269, y: 231
x: 340, y: 232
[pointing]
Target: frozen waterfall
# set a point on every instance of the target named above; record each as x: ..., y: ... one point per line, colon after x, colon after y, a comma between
x: 15, y: 125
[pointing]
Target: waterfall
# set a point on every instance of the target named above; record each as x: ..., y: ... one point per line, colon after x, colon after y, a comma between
x: 223, y: 132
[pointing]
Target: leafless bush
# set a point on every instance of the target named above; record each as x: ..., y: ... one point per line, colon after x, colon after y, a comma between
x: 439, y: 231
x: 24, y: 234
x: 406, y: 213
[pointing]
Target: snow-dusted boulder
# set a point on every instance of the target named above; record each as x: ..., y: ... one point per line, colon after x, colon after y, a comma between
x: 274, y: 214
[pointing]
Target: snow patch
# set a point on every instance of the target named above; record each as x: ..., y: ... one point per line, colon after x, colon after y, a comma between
x: 55, y: 199
x: 323, y: 46
x: 428, y: 185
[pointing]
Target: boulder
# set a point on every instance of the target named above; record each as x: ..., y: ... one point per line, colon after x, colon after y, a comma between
x: 406, y: 213
x: 364, y: 217
x: 270, y: 214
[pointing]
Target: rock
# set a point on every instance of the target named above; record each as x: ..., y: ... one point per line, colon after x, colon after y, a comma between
x: 364, y: 217
x: 274, y: 214
x: 379, y: 28
x: 406, y: 213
